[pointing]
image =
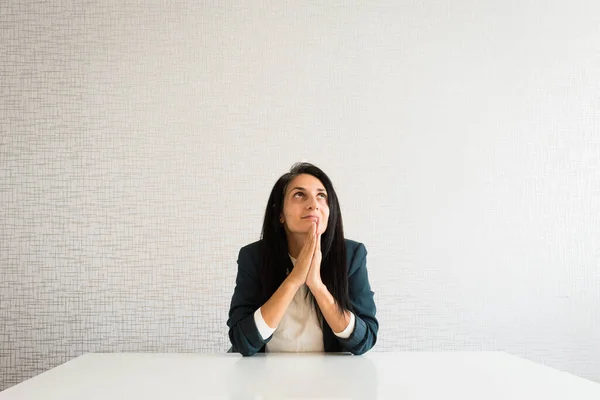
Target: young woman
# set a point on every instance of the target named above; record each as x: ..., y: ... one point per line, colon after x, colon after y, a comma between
x: 303, y: 287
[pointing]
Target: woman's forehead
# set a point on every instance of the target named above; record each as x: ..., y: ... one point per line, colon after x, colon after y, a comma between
x: 306, y: 182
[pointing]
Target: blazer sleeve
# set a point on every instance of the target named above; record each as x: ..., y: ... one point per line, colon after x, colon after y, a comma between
x: 243, y: 333
x: 364, y: 336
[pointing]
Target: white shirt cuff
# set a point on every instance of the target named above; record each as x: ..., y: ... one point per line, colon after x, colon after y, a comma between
x: 265, y: 330
x: 345, y: 334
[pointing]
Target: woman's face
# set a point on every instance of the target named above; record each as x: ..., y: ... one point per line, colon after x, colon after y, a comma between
x: 305, y: 201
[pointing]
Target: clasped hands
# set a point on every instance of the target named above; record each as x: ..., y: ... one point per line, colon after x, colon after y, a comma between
x: 308, y: 265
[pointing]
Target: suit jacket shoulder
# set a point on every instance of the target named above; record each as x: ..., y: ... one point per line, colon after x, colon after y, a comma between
x: 355, y: 253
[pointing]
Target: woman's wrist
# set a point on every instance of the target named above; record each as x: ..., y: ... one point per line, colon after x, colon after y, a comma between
x: 292, y: 282
x: 317, y: 287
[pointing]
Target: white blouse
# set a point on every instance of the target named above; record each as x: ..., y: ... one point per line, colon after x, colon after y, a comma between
x: 299, y: 329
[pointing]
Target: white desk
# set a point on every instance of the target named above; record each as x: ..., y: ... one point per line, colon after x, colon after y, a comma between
x: 418, y: 375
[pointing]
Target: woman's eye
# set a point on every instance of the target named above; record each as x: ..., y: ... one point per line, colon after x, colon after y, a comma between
x: 301, y: 194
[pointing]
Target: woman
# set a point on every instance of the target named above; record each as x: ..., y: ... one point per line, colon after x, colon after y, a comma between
x: 303, y: 287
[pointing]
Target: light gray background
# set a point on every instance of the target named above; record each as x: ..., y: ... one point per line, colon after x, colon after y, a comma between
x: 139, y: 142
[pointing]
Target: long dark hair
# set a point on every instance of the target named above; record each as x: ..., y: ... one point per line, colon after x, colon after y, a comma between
x: 274, y: 249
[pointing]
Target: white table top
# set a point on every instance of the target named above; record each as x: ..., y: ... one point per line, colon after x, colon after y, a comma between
x: 375, y: 375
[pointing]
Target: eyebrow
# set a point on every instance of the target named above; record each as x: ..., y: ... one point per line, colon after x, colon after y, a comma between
x: 301, y: 188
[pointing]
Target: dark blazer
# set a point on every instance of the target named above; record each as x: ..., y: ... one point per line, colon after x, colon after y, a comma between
x: 247, y: 298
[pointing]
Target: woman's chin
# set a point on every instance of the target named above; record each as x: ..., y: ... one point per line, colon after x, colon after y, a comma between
x: 303, y: 230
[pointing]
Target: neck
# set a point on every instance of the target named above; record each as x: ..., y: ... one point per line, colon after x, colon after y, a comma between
x: 295, y: 244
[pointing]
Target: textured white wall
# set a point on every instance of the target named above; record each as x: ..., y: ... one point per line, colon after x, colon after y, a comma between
x: 138, y: 144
